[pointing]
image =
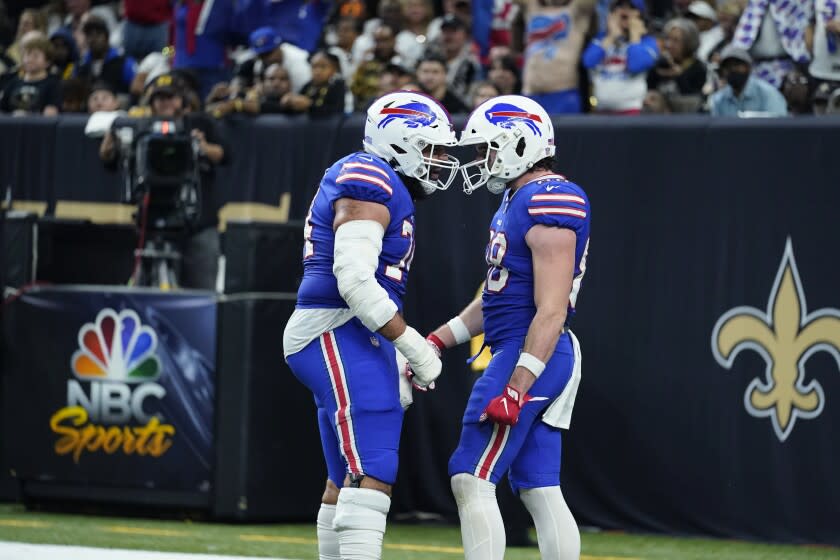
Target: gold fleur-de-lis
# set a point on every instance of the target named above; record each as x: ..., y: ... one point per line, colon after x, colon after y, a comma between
x: 785, y: 336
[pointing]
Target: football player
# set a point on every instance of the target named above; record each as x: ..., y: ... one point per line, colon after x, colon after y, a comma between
x: 340, y: 341
x: 536, y: 259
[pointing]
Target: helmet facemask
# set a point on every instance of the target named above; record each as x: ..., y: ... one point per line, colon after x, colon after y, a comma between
x: 479, y: 171
x: 433, y: 173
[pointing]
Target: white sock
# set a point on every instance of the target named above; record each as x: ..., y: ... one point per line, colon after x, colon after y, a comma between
x: 557, y: 532
x: 327, y: 536
x: 360, y: 522
x: 482, y: 528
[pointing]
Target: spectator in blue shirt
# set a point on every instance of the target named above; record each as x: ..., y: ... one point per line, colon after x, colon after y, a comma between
x: 744, y: 94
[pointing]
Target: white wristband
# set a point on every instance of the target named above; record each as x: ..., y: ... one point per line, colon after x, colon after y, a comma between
x: 459, y: 330
x: 531, y: 363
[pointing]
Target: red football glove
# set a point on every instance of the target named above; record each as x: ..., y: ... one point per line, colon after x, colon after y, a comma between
x: 505, y: 408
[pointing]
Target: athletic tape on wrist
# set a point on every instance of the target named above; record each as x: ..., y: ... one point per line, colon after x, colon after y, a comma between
x: 434, y: 339
x: 531, y: 363
x: 459, y: 330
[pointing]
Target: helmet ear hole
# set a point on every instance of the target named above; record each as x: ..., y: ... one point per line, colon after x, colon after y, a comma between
x: 398, y: 149
x: 520, y: 147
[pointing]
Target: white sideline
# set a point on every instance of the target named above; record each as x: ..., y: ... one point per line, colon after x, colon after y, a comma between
x: 25, y: 551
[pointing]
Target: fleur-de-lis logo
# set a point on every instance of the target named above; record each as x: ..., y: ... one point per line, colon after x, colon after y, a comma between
x: 785, y: 336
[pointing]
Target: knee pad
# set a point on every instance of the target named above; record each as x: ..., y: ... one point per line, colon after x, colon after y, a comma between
x: 466, y: 487
x: 361, y: 508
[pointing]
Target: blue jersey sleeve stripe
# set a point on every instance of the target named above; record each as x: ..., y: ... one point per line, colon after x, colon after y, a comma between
x: 558, y: 199
x: 367, y: 167
x: 553, y: 210
x: 367, y: 179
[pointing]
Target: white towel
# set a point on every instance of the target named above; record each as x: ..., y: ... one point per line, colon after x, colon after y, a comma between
x: 559, y: 413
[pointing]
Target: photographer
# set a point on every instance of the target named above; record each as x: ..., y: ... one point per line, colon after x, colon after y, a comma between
x: 199, y: 245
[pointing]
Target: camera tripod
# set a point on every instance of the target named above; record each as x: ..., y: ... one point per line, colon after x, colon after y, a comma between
x: 157, y: 264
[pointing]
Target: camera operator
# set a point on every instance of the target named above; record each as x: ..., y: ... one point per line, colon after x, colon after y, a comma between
x: 168, y: 98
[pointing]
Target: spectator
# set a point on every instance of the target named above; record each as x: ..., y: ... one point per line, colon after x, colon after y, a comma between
x: 773, y: 33
x: 481, y: 92
x: 797, y: 93
x: 462, y: 9
x: 365, y: 83
x: 555, y: 35
x: 74, y: 95
x: 825, y: 65
x: 706, y: 19
x: 65, y: 53
x: 270, y: 49
x: 413, y: 39
x: 619, y: 60
x: 269, y: 97
x: 729, y: 12
x: 456, y: 47
x: 168, y: 98
x: 34, y: 90
x: 324, y: 95
x: 103, y: 62
x: 744, y: 94
x: 678, y: 74
x: 146, y: 27
x: 30, y: 20
x: 431, y: 76
x: 202, y: 54
x: 347, y: 30
x: 77, y: 11
x: 504, y: 74
x: 102, y: 98
x: 826, y: 99
x: 393, y: 78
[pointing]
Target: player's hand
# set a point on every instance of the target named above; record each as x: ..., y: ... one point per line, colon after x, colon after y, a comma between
x: 423, y: 361
x: 505, y: 408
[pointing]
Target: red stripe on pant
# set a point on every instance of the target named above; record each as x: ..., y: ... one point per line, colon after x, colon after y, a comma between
x: 342, y: 397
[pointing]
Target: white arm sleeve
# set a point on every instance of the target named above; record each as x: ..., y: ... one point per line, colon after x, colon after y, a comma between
x: 355, y: 258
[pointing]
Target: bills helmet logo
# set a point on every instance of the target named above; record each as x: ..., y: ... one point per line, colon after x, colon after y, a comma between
x: 414, y: 114
x: 505, y: 115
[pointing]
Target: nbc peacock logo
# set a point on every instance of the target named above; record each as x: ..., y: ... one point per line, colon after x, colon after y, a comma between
x: 113, y: 400
x: 116, y: 347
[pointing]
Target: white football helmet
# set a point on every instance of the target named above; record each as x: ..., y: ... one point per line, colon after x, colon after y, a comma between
x: 517, y: 130
x: 400, y: 125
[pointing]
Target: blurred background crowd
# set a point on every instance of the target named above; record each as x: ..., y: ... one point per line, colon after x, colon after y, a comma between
x: 325, y: 57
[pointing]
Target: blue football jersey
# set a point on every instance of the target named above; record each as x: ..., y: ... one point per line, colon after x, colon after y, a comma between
x: 360, y: 176
x: 508, y: 296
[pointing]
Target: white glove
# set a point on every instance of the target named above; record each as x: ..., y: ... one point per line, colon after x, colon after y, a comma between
x: 406, y: 397
x: 423, y: 361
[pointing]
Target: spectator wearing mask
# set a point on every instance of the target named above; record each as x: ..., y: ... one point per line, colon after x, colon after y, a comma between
x: 431, y: 76
x: 705, y: 18
x: 324, y: 95
x: 270, y: 49
x: 618, y: 60
x: 30, y: 20
x: 825, y: 65
x: 168, y: 98
x: 744, y: 94
x: 146, y: 27
x: 33, y: 90
x: 678, y: 74
x: 65, y: 53
x: 773, y: 33
x: 555, y: 34
x: 102, y: 62
x: 456, y: 47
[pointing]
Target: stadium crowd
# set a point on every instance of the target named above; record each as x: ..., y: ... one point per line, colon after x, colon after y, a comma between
x: 322, y: 57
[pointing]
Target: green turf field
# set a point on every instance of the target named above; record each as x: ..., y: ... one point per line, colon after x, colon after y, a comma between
x: 402, y: 542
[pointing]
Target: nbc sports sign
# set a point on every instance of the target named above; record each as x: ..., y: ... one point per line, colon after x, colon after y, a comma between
x: 115, y: 368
